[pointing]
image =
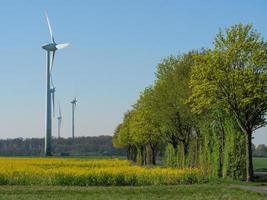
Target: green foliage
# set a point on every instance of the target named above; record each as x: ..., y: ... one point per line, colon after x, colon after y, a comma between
x: 205, y: 106
x: 181, y: 156
x: 209, y: 149
x: 171, y: 158
x: 222, y: 152
x: 140, y: 156
x: 123, y: 136
x: 233, y: 77
x: 193, y: 153
x: 146, y: 124
x: 172, y: 88
x: 234, y: 153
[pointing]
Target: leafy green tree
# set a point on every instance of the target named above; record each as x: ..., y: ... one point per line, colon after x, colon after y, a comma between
x: 170, y: 157
x: 177, y: 122
x: 167, y: 95
x: 146, y: 125
x: 123, y: 137
x: 233, y: 77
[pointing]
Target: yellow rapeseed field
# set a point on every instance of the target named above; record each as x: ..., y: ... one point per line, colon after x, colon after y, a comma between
x: 83, y: 172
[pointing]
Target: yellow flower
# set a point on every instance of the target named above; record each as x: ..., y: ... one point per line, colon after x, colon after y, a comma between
x: 74, y: 171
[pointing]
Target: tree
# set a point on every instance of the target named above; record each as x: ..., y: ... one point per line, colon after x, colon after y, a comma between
x: 253, y: 148
x: 123, y: 136
x: 233, y: 77
x: 145, y: 124
x: 177, y: 122
x: 167, y: 95
x: 261, y: 150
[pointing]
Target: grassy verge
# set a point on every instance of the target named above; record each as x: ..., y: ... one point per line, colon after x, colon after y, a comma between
x: 189, y: 192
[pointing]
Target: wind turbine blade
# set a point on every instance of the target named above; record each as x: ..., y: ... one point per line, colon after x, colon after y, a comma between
x: 62, y: 46
x: 52, y: 62
x: 59, y: 111
x: 49, y: 27
x: 51, y: 68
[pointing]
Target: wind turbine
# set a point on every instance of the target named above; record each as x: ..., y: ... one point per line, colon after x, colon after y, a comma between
x: 73, y: 102
x: 59, y: 118
x: 53, y: 90
x: 51, y: 51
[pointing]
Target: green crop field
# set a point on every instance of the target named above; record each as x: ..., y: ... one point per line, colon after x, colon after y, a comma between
x: 189, y: 192
x: 260, y: 163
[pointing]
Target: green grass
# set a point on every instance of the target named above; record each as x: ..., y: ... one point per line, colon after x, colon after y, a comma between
x: 260, y: 163
x: 189, y: 192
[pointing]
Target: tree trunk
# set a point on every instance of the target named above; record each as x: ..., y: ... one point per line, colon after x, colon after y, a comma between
x: 186, y: 150
x: 154, y: 154
x: 249, y: 164
x: 175, y: 145
x: 128, y: 152
x: 143, y: 153
x: 140, y: 155
x: 132, y: 153
x: 221, y: 146
x: 148, y: 155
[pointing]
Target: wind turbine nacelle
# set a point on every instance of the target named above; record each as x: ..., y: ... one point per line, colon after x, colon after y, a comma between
x: 50, y: 47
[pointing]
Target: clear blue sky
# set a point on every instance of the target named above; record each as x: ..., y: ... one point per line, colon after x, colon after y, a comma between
x: 115, y: 47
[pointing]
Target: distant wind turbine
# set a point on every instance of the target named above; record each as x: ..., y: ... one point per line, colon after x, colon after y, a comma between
x: 59, y: 119
x: 50, y: 91
x: 73, y: 102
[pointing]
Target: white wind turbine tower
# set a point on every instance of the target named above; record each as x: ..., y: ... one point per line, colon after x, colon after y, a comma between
x: 51, y: 50
x: 59, y: 118
x: 73, y: 102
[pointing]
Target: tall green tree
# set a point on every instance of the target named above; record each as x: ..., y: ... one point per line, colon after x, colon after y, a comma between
x: 233, y: 77
x: 146, y: 124
x: 123, y: 136
x: 172, y: 88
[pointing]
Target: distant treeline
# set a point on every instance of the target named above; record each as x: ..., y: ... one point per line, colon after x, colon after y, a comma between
x: 100, y: 145
x: 259, y: 150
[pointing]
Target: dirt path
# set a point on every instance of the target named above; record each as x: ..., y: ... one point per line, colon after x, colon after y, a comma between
x: 261, y: 189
